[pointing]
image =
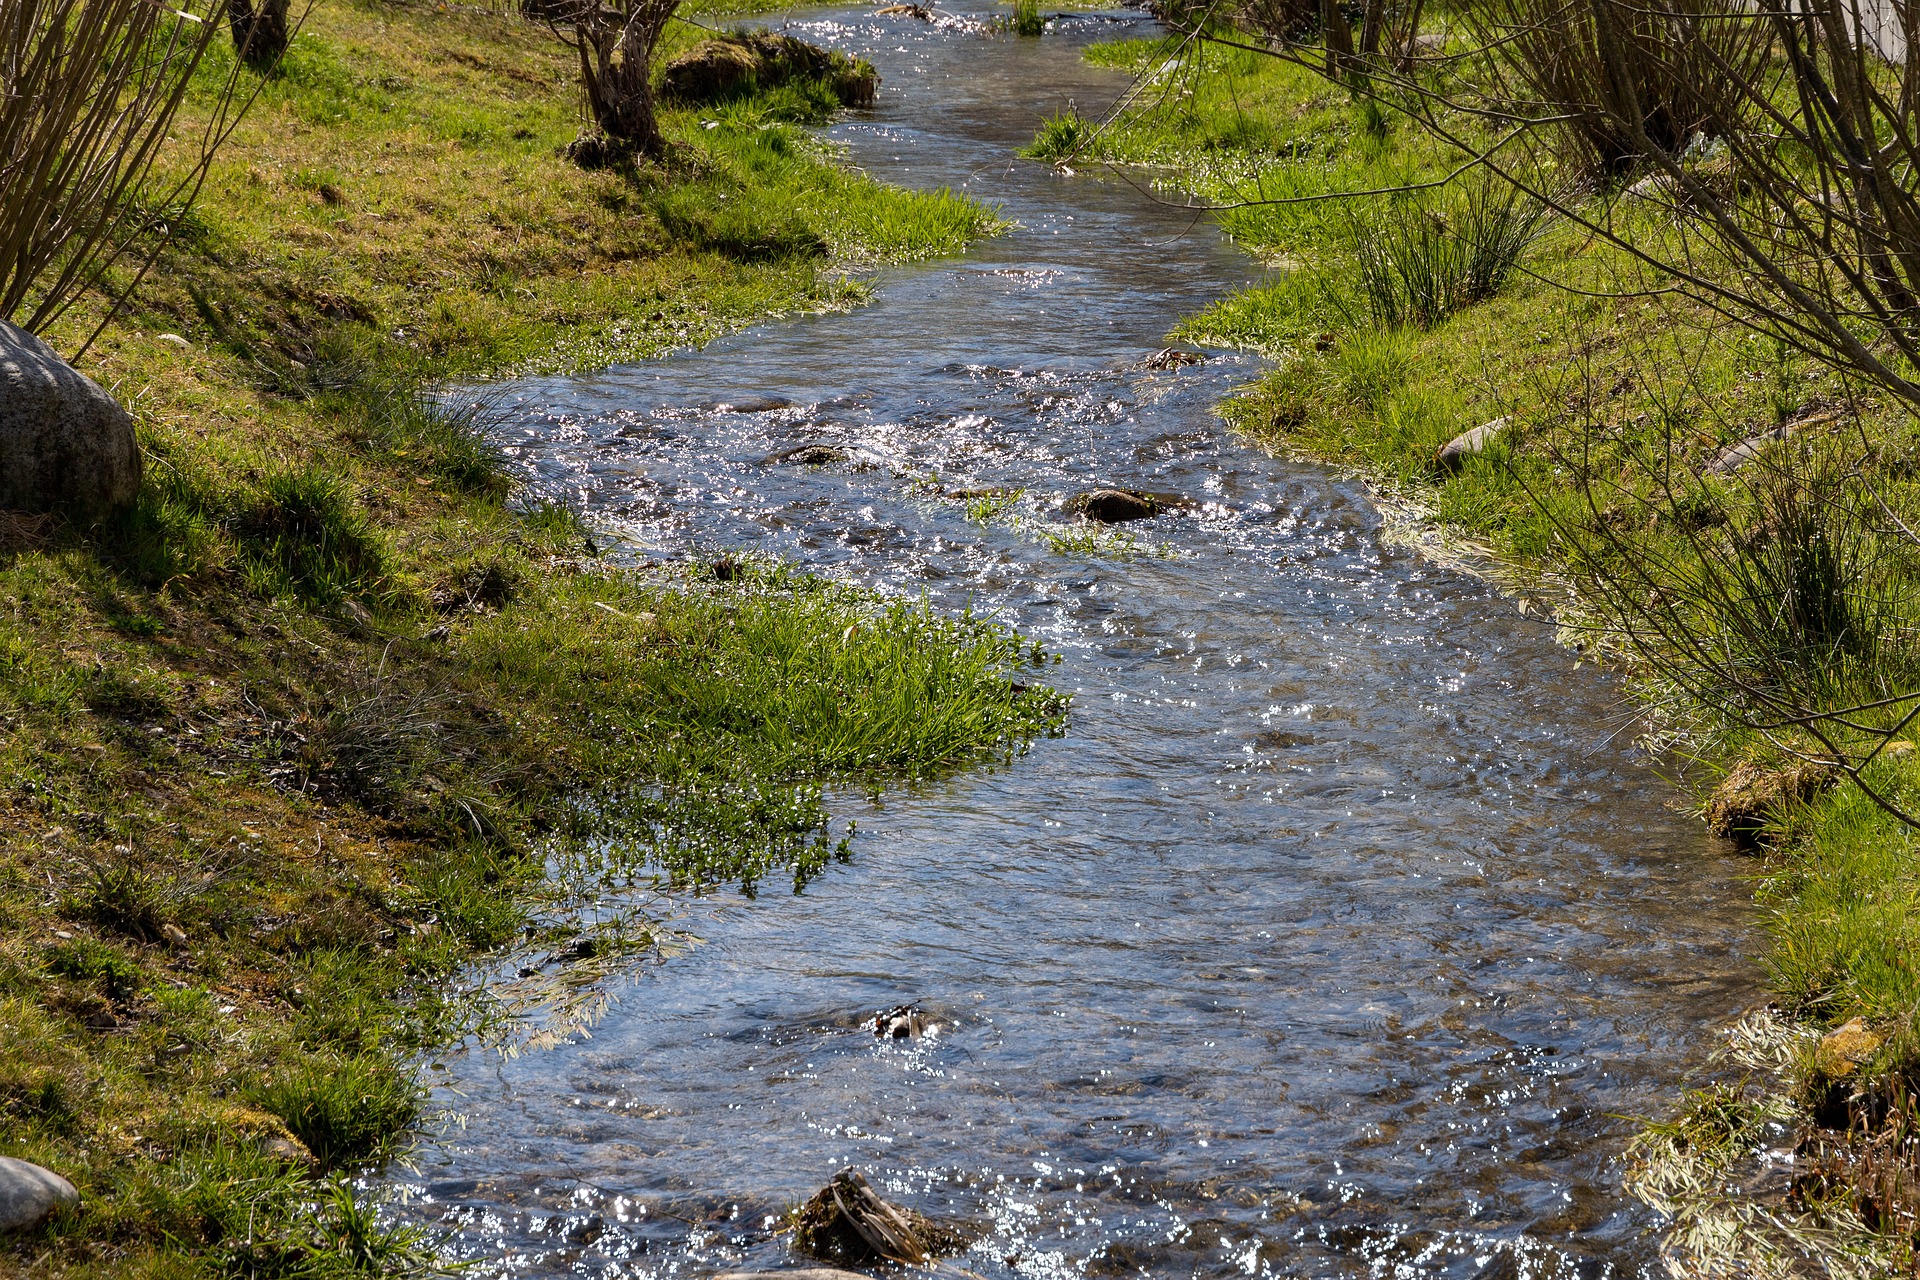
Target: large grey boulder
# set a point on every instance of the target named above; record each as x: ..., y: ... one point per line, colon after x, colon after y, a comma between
x: 65, y: 444
x: 30, y: 1194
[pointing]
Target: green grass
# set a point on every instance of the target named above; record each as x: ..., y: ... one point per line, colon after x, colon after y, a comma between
x: 345, y: 1110
x: 1086, y: 540
x: 1060, y: 136
x: 405, y: 170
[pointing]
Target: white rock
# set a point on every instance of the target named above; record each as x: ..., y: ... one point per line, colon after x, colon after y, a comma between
x: 173, y: 340
x: 1739, y: 454
x: 1467, y: 443
x: 29, y: 1194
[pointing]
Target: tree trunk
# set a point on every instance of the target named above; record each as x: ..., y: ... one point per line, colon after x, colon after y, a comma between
x: 630, y: 115
x: 1339, y: 37
x: 1372, y: 26
x: 260, y: 35
x: 616, y: 64
x: 1404, y: 53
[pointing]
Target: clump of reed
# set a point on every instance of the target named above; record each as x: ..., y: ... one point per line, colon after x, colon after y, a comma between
x: 1421, y: 261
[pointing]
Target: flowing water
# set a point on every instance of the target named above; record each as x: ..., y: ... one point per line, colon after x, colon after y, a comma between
x: 1341, y: 935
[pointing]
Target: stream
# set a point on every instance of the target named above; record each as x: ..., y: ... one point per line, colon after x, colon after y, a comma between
x: 1343, y: 934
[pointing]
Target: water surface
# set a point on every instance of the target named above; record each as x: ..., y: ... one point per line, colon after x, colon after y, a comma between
x: 1335, y: 939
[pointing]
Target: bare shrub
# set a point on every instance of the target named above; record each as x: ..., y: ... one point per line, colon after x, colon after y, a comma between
x: 1622, y: 79
x: 1775, y: 601
x: 89, y: 94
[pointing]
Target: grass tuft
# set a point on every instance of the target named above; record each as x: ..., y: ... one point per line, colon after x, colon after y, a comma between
x: 304, y: 532
x: 345, y: 1109
x: 1060, y: 137
x: 1418, y: 262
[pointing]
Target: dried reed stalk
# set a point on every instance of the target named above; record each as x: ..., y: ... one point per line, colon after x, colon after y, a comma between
x: 89, y: 93
x: 1617, y: 76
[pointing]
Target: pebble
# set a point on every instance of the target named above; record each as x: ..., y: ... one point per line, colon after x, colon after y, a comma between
x: 173, y: 340
x: 29, y: 1194
x: 289, y: 1151
x: 1843, y: 1050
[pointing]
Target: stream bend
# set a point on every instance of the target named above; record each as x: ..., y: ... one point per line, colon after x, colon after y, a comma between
x: 1335, y: 938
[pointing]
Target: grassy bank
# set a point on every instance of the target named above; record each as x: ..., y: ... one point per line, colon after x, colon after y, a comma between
x: 1399, y: 322
x: 287, y: 746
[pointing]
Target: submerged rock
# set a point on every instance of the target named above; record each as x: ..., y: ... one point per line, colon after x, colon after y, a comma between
x: 1174, y: 358
x: 1456, y: 451
x: 65, y: 444
x: 903, y: 1022
x: 752, y: 404
x: 29, y: 1194
x: 1112, y: 506
x: 813, y: 455
x: 1753, y: 794
x: 739, y: 63
x: 848, y: 1223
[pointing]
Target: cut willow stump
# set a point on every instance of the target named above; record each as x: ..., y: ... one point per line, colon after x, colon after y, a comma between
x: 848, y: 1224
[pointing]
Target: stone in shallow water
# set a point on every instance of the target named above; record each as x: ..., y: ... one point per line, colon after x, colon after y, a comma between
x: 29, y: 1193
x: 813, y: 455
x: 1111, y: 506
x: 1174, y: 358
x: 848, y: 1222
x: 903, y: 1022
x: 752, y: 404
x: 805, y: 1273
